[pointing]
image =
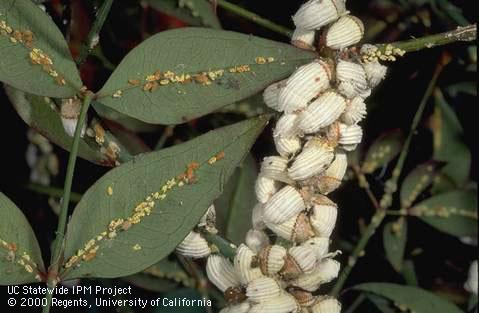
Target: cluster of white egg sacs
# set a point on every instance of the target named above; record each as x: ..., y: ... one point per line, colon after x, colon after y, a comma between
x: 321, y: 105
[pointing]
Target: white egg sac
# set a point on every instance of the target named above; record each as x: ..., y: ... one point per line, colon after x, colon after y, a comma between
x: 271, y: 93
x: 314, y: 159
x: 257, y: 217
x: 287, y: 146
x: 243, y: 262
x: 350, y: 136
x: 315, y: 14
x: 326, y: 305
x: 323, y: 217
x: 304, y: 85
x: 296, y: 229
x: 263, y: 289
x: 355, y: 111
x: 346, y: 31
x: 283, y: 205
x: 303, y: 38
x: 319, y: 245
x: 271, y: 259
x: 375, y: 73
x: 265, y: 188
x: 331, y: 179
x: 351, y: 77
x: 256, y: 240
x: 274, y: 167
x: 194, y: 246
x: 322, y: 112
x: 324, y: 272
x: 287, y: 126
x: 284, y: 303
x: 221, y: 272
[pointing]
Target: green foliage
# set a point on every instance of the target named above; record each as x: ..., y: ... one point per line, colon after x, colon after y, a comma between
x: 20, y: 256
x: 26, y: 29
x: 448, y: 143
x: 410, y: 298
x: 394, y: 239
x: 157, y: 234
x: 417, y: 181
x: 197, y: 71
x: 41, y: 114
x: 236, y: 203
x: 453, y: 212
x: 383, y: 150
x: 193, y: 12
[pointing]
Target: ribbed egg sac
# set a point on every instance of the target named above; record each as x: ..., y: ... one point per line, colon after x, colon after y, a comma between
x: 286, y: 257
x: 304, y: 85
x: 315, y: 14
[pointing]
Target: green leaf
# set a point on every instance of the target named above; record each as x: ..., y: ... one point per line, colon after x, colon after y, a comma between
x: 394, y: 240
x: 193, y: 12
x: 410, y: 298
x: 383, y: 150
x: 448, y: 142
x: 20, y: 257
x: 127, y: 122
x: 235, y: 206
x: 31, y: 29
x: 192, y: 58
x: 152, y: 182
x: 161, y: 277
x: 454, y: 212
x: 465, y: 87
x: 409, y: 273
x: 382, y: 304
x: 417, y: 181
x: 40, y: 114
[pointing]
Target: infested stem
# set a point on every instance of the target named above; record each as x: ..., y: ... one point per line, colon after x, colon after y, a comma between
x: 255, y: 18
x: 62, y: 220
x: 358, y: 251
x: 89, y: 44
x: 391, y: 184
x: 363, y: 183
x: 466, y: 33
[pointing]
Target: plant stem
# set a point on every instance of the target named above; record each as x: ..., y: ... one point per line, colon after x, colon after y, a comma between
x: 358, y: 250
x: 89, y: 44
x: 255, y: 18
x: 52, y: 279
x: 225, y: 247
x: 53, y: 192
x: 467, y: 33
x: 62, y: 220
x: 363, y: 183
x: 46, y: 308
x: 391, y: 184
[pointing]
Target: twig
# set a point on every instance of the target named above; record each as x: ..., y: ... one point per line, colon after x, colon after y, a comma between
x: 53, y: 192
x: 89, y: 44
x: 62, y: 220
x: 225, y: 247
x: 467, y: 33
x: 255, y: 18
x: 363, y: 183
x: 391, y: 185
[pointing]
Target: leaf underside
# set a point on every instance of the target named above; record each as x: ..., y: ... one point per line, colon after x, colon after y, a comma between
x: 120, y: 191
